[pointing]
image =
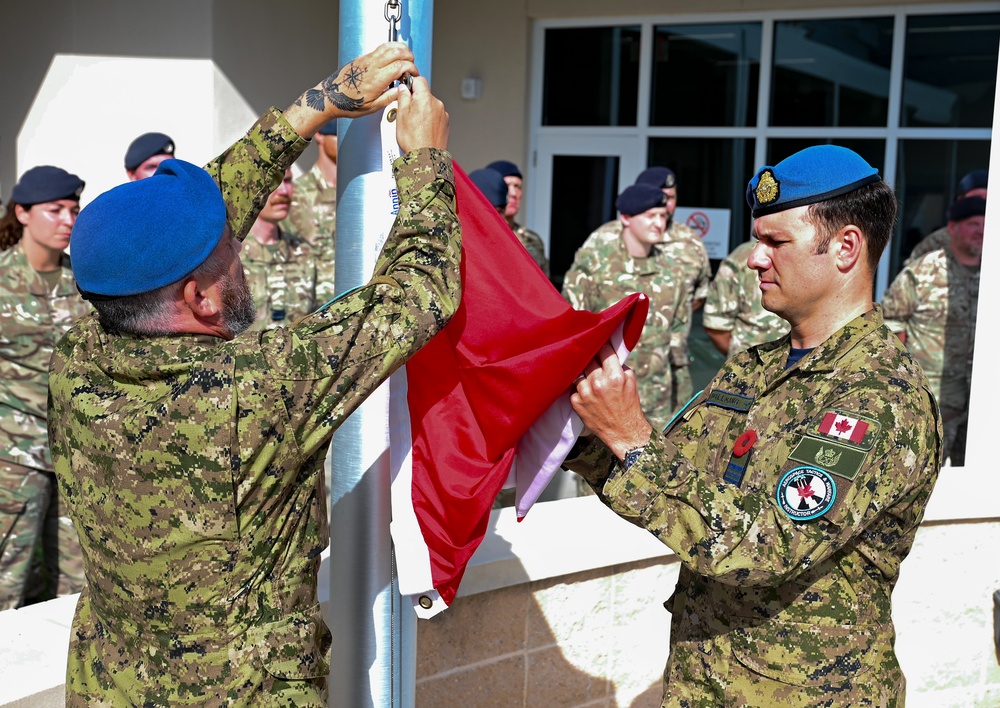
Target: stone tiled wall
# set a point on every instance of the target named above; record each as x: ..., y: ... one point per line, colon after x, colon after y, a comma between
x: 597, y: 638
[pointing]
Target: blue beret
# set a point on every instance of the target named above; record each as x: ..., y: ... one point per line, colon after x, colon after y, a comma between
x: 659, y: 177
x: 812, y: 175
x: 967, y: 207
x: 329, y: 128
x: 974, y: 180
x: 145, y: 146
x: 639, y: 198
x: 491, y: 184
x: 505, y: 168
x: 46, y: 184
x: 143, y: 235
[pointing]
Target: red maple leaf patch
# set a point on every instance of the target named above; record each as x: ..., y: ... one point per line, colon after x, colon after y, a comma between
x: 843, y: 426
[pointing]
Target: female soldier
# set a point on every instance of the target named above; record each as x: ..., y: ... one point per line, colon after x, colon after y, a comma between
x: 38, y: 303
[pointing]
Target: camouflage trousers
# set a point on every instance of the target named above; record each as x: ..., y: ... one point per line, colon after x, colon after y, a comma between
x: 40, y: 555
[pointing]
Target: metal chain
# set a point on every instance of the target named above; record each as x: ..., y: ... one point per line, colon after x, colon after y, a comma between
x: 393, y: 13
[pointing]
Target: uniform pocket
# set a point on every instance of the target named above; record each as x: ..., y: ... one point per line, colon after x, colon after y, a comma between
x: 295, y: 647
x: 805, y: 654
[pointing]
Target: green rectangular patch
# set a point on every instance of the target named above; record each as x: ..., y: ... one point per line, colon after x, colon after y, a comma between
x: 725, y: 399
x: 841, y: 460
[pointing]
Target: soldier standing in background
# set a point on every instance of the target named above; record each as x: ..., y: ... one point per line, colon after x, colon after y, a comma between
x: 145, y: 153
x: 734, y: 318
x: 635, y: 262
x: 515, y: 187
x: 38, y: 304
x: 932, y: 306
x: 974, y: 184
x: 279, y: 266
x: 792, y: 488
x: 313, y: 212
x: 682, y: 248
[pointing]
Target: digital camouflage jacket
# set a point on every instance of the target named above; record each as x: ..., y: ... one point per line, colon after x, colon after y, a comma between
x: 193, y: 465
x: 791, y: 497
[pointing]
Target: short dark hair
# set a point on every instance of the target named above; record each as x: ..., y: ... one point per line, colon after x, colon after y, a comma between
x: 143, y: 315
x: 872, y: 208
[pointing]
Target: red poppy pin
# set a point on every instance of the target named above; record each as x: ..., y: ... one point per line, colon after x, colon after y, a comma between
x: 744, y: 442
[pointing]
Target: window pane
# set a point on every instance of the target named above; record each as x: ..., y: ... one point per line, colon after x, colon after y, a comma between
x: 832, y: 72
x: 584, y: 189
x: 950, y: 70
x: 927, y: 175
x: 705, y: 75
x: 722, y: 187
x: 591, y: 76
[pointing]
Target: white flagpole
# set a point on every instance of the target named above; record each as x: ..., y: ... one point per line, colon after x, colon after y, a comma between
x: 374, y: 632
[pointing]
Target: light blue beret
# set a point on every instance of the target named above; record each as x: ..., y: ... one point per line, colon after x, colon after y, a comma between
x: 143, y: 235
x: 812, y: 175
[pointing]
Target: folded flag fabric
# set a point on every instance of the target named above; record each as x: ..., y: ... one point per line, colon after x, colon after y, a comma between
x: 485, y: 401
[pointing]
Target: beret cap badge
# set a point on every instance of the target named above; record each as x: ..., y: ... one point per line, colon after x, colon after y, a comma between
x: 768, y: 188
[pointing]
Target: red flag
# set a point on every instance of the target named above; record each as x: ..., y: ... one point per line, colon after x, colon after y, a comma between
x: 508, y: 355
x: 842, y: 426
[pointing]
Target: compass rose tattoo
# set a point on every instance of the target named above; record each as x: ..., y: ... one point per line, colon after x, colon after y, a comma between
x: 330, y: 89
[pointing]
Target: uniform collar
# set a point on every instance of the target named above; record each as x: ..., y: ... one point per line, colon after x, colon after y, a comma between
x: 827, y: 355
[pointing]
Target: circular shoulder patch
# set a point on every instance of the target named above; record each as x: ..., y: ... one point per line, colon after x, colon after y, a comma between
x: 806, y: 493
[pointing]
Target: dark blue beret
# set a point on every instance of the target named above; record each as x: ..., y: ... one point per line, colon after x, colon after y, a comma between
x: 974, y: 180
x: 145, y: 146
x: 659, y: 177
x: 143, y: 235
x: 812, y: 175
x: 964, y: 208
x: 491, y: 184
x: 46, y: 184
x: 639, y: 198
x: 329, y: 128
x: 505, y: 168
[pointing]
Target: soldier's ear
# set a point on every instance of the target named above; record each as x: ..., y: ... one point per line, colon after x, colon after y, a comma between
x: 204, y: 302
x: 850, y: 244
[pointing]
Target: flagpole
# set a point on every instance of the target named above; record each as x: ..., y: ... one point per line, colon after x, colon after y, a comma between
x: 373, y: 659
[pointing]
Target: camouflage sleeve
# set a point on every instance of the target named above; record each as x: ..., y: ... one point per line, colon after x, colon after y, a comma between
x: 722, y: 301
x: 680, y: 327
x: 252, y: 167
x: 740, y: 536
x: 704, y: 274
x: 579, y: 287
x: 900, y: 301
x: 330, y: 360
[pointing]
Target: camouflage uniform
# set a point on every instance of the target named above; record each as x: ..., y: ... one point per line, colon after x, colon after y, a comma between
x: 682, y: 245
x: 733, y: 304
x: 313, y: 217
x: 771, y: 611
x: 533, y: 244
x: 686, y: 256
x: 601, y: 277
x: 941, y: 238
x: 34, y: 314
x: 934, y: 300
x: 282, y: 278
x: 192, y: 465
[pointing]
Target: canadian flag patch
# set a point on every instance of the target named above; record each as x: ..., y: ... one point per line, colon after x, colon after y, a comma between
x: 844, y: 427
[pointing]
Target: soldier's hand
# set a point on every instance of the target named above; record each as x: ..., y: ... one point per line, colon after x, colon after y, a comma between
x: 360, y: 88
x: 607, y: 400
x: 421, y: 120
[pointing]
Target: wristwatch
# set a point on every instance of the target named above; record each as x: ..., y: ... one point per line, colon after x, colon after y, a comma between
x: 631, y: 456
